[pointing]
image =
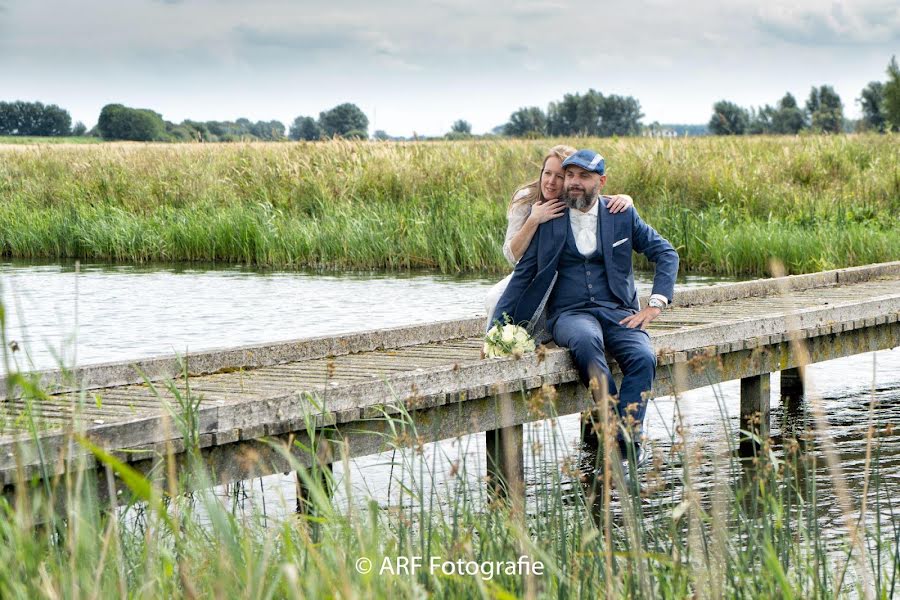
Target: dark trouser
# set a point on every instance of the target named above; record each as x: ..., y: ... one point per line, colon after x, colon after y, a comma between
x: 588, y: 333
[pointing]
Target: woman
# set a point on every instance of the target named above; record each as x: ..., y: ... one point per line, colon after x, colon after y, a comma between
x: 535, y: 203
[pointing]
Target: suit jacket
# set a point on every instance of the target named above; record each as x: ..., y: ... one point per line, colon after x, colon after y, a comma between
x: 526, y: 296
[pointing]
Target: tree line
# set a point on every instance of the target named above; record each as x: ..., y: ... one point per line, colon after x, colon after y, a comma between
x: 118, y: 122
x: 590, y: 113
x: 823, y: 111
x: 580, y: 114
x: 36, y: 119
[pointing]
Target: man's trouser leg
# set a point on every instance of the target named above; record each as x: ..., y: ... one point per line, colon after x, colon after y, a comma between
x: 580, y: 332
x: 636, y: 358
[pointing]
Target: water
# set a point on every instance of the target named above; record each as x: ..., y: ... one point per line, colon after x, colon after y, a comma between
x: 109, y: 312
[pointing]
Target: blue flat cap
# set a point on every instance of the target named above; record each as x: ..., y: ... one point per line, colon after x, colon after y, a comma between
x: 587, y: 160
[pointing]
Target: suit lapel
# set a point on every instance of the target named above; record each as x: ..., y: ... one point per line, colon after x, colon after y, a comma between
x: 606, y: 233
x: 561, y: 228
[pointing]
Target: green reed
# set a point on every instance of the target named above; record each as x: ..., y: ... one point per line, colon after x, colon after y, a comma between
x: 729, y: 205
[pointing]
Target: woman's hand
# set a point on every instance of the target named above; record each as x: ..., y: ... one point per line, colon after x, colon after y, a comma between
x: 541, y: 212
x: 619, y: 202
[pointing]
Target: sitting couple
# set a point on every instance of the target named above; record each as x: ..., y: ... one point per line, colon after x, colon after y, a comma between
x: 574, y: 281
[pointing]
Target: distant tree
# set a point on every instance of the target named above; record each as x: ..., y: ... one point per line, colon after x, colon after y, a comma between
x: 268, y: 130
x: 461, y: 126
x: 118, y: 122
x: 891, y: 90
x: 871, y: 100
x: 356, y: 134
x: 344, y: 119
x: 562, y: 116
x: 526, y: 122
x: 33, y: 118
x: 620, y: 115
x: 728, y: 119
x: 587, y: 114
x: 761, y: 121
x: 305, y: 128
x: 381, y: 135
x: 788, y: 117
x: 825, y: 109
x: 79, y: 129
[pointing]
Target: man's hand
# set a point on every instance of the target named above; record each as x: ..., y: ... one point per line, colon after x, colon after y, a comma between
x: 641, y: 319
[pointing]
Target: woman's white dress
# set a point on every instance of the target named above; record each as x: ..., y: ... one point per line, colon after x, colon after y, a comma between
x: 515, y: 219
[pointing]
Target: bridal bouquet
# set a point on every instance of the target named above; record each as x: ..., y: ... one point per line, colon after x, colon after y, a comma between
x: 505, y: 340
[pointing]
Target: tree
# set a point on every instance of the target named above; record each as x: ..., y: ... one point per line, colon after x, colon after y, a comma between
x: 356, y: 134
x: 79, y: 129
x: 381, y: 135
x: 526, y: 122
x: 33, y: 118
x: 871, y: 100
x: 891, y: 90
x: 343, y: 119
x: 728, y: 119
x: 268, y: 130
x: 587, y: 116
x: 825, y: 109
x: 761, y: 121
x: 788, y: 118
x: 562, y: 115
x: 305, y: 128
x: 620, y: 115
x: 461, y: 126
x: 118, y: 122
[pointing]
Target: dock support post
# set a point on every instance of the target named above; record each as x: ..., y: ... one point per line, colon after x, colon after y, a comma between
x: 755, y: 392
x: 792, y: 388
x: 318, y: 474
x: 506, y: 463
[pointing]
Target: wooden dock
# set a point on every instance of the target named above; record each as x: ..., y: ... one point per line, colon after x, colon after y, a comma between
x: 342, y: 385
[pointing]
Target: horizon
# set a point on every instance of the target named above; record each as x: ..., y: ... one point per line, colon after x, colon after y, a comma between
x: 416, y: 71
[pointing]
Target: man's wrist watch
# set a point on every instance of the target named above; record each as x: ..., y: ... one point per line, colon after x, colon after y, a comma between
x: 656, y: 303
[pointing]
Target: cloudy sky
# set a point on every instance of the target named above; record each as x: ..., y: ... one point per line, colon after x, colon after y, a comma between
x: 418, y: 66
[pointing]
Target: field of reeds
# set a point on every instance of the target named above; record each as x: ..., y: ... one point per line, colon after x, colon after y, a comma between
x: 729, y: 205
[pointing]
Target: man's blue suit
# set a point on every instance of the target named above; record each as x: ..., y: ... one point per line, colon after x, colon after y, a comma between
x: 587, y: 320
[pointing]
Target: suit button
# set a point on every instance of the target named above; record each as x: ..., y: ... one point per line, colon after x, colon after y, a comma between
x: 588, y: 272
x: 592, y: 298
x: 590, y: 286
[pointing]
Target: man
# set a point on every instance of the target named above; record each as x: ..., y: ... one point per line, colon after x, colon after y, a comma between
x: 578, y: 269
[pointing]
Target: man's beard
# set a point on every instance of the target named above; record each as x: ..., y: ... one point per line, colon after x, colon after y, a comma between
x: 582, y: 202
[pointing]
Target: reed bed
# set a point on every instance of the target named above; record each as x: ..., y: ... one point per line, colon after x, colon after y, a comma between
x: 730, y: 205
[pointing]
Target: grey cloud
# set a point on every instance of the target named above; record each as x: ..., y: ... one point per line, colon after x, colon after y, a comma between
x: 834, y: 24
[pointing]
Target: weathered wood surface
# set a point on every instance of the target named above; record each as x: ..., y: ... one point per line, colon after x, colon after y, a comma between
x: 711, y: 334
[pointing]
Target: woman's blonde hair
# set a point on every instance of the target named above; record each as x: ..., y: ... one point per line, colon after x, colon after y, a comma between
x: 531, y: 192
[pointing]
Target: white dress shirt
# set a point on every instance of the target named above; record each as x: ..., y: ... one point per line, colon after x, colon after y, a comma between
x: 584, y: 228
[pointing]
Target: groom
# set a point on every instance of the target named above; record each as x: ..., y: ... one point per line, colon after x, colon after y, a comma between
x: 578, y: 268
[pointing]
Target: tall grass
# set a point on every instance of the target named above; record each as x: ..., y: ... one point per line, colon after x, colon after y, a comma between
x: 729, y: 205
x: 755, y: 532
